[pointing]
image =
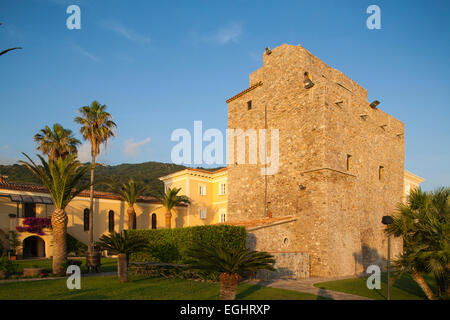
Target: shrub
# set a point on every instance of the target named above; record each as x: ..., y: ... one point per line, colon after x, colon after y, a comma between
x: 7, y: 266
x: 75, y: 246
x: 34, y: 225
x: 171, y: 245
x: 71, y: 262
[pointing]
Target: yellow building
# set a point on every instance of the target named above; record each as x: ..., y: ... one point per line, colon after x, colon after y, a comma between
x: 207, y: 191
x: 18, y: 201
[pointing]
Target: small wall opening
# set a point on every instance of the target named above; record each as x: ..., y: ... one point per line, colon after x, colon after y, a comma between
x: 349, y: 162
x: 381, y: 173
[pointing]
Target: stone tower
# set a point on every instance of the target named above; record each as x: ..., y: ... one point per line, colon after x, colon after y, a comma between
x: 341, y: 163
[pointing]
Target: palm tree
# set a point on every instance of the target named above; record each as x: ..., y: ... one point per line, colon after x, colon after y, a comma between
x: 63, y: 179
x: 10, y: 49
x: 423, y: 223
x: 231, y: 264
x: 56, y: 143
x: 96, y: 127
x: 171, y: 199
x: 123, y: 244
x: 130, y: 193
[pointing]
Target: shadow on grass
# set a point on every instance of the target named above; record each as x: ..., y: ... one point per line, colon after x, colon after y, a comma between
x: 248, y: 291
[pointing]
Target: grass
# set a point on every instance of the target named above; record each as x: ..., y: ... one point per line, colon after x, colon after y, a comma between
x: 108, y: 264
x: 404, y: 288
x: 139, y: 288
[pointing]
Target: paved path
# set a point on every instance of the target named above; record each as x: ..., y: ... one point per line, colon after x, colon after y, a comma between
x: 307, y: 286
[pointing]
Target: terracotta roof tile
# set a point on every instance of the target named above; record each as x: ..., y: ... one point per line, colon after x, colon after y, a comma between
x: 27, y: 187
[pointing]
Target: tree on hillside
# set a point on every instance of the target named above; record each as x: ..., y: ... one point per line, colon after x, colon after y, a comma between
x: 97, y: 127
x: 424, y: 225
x: 63, y: 179
x: 56, y: 143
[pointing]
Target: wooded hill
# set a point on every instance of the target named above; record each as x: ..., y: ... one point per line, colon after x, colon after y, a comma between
x: 147, y: 172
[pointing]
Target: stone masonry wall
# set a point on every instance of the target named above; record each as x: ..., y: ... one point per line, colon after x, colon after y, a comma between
x: 339, y: 211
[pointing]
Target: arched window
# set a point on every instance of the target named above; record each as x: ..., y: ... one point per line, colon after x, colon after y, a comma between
x: 154, y: 221
x: 134, y: 221
x: 111, y: 221
x: 86, y: 219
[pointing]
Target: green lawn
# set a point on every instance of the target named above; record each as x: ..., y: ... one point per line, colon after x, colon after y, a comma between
x: 139, y: 288
x: 108, y: 264
x: 404, y: 288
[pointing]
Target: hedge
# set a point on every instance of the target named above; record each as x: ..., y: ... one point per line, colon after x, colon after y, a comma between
x: 170, y: 245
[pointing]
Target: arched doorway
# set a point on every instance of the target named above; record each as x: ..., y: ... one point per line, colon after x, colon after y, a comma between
x: 154, y: 221
x: 33, y: 247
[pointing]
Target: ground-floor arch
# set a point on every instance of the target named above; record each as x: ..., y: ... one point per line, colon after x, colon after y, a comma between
x: 33, y: 247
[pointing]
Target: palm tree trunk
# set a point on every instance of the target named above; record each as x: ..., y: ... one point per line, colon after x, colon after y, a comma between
x: 228, y: 286
x: 168, y: 219
x: 59, y: 226
x: 423, y: 285
x: 122, y: 269
x: 91, y: 209
x: 131, y: 218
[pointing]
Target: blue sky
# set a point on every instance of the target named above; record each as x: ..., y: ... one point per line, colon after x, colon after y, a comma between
x: 160, y: 65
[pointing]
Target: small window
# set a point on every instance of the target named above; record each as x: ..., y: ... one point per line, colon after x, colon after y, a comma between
x: 29, y: 209
x: 86, y: 219
x: 154, y: 221
x: 202, y: 213
x: 111, y: 221
x: 349, y: 162
x: 223, y: 217
x: 222, y: 189
x: 381, y: 173
x: 249, y: 105
x: 202, y: 189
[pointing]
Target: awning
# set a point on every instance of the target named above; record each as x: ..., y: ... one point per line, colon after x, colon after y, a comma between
x: 30, y: 199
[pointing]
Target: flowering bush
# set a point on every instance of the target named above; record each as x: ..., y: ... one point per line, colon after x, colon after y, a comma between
x: 34, y: 225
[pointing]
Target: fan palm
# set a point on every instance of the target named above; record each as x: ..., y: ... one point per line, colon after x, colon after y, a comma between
x: 231, y: 264
x: 130, y: 193
x: 96, y: 127
x: 10, y: 49
x: 171, y: 199
x: 56, y: 143
x: 423, y: 224
x: 63, y: 179
x: 123, y: 244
